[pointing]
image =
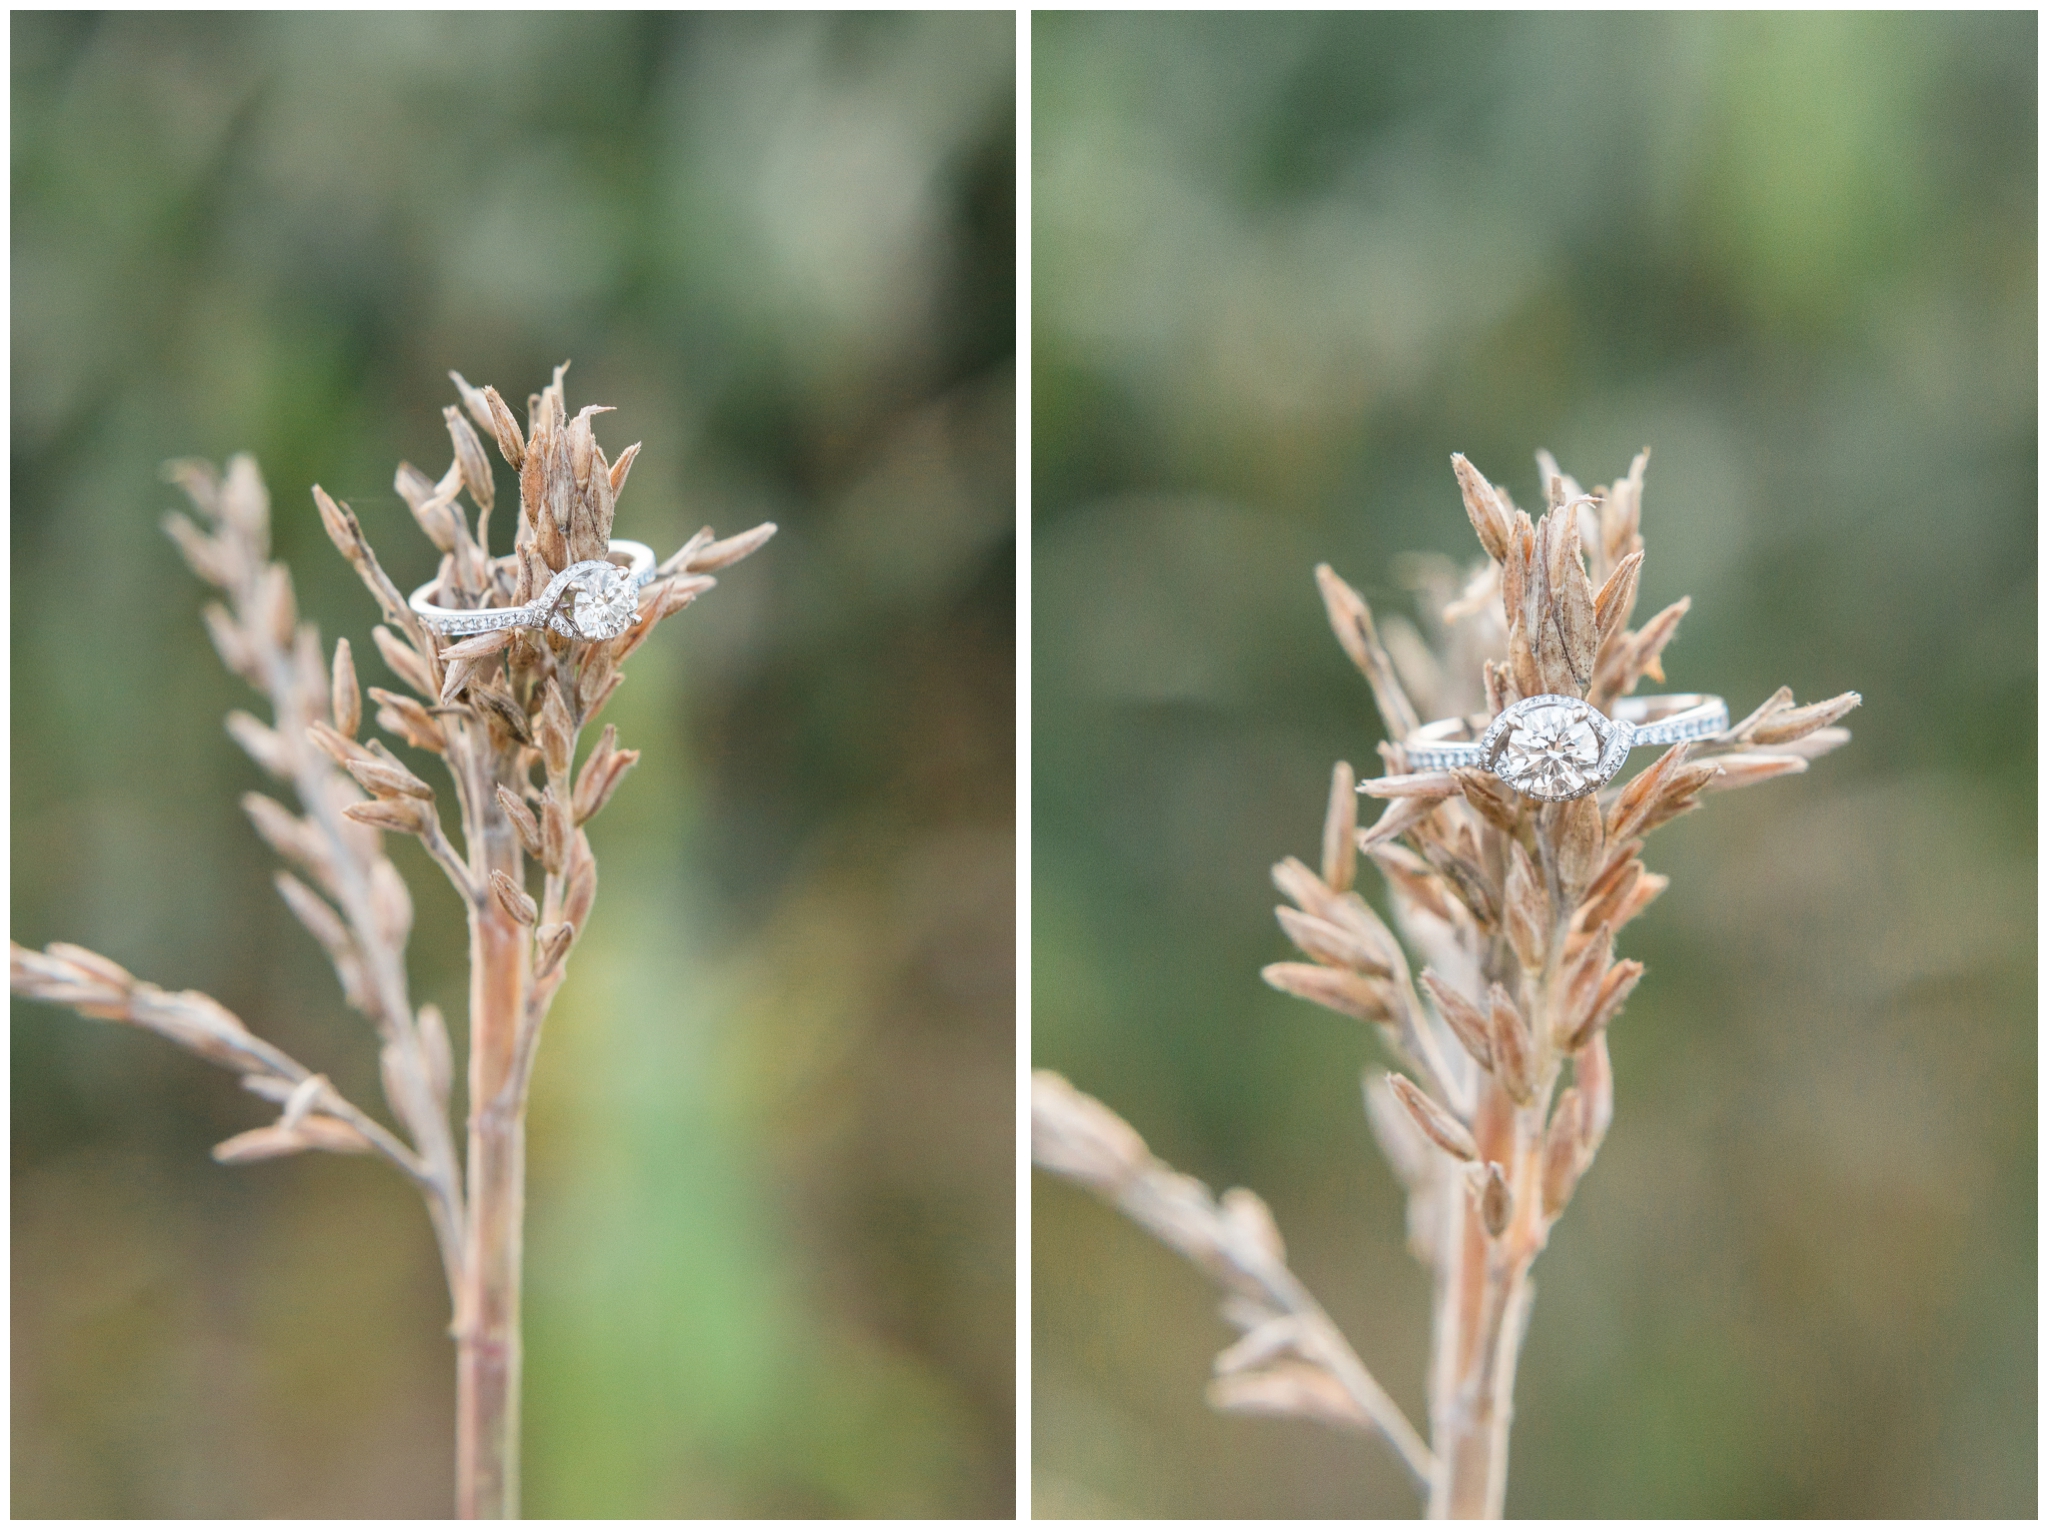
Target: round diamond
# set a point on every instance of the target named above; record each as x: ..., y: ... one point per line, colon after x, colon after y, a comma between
x: 603, y: 602
x: 1550, y: 750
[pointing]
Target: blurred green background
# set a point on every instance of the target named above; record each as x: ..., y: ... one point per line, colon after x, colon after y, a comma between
x: 1283, y: 267
x: 772, y: 1223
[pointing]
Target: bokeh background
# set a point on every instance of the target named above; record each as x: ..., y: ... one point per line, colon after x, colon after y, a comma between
x: 771, y: 1234
x: 1283, y: 267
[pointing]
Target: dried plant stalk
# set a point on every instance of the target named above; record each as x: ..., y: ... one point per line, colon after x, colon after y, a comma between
x: 496, y: 709
x: 1504, y: 1091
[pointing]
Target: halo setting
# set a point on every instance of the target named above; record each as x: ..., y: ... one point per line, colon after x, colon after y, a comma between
x: 1554, y: 748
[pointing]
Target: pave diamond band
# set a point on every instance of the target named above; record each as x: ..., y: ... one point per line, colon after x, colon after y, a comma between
x: 1555, y: 748
x: 592, y: 600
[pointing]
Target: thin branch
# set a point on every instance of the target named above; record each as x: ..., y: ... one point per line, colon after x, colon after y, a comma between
x: 1236, y: 1244
x: 100, y: 989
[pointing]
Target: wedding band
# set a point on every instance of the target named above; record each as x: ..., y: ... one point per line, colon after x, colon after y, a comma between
x: 1555, y: 748
x: 592, y: 600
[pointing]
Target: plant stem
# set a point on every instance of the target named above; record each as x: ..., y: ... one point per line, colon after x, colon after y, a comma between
x: 487, y: 1318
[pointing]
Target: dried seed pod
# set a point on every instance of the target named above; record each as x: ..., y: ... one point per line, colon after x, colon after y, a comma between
x: 551, y: 947
x: 266, y: 746
x: 346, y: 697
x: 505, y: 429
x: 1578, y: 842
x: 213, y: 560
x: 717, y: 555
x: 1615, y: 988
x: 601, y: 774
x: 1351, y: 620
x: 1408, y: 874
x: 554, y: 832
x: 438, y: 1054
x: 343, y: 751
x: 279, y: 611
x: 1467, y: 881
x: 469, y: 457
x: 404, y: 661
x: 555, y: 731
x: 1345, y: 992
x: 245, y: 503
x: 1434, y: 1122
x: 396, y: 815
x: 1473, y: 1029
x: 318, y: 916
x: 1331, y: 944
x: 1596, y: 1089
x: 1610, y: 890
x: 389, y: 780
x: 1563, y: 1152
x: 1514, y: 1062
x: 1483, y: 507
x: 290, y: 836
x: 513, y: 899
x: 1340, y: 830
x: 390, y: 903
x: 1402, y: 815
x: 1491, y: 1197
x: 1681, y: 792
x: 1738, y: 770
x: 1435, y: 785
x: 409, y: 720
x: 1566, y: 636
x: 1778, y: 701
x: 1640, y: 653
x: 622, y: 467
x: 1616, y: 601
x: 1248, y: 1214
x: 579, y: 882
x: 524, y: 824
x: 315, y: 1132
x: 1625, y: 818
x: 501, y: 712
x: 1489, y: 798
x: 1527, y: 909
x: 595, y: 679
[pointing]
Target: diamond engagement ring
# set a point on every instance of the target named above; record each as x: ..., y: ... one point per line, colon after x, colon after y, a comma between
x: 1555, y: 748
x: 592, y: 600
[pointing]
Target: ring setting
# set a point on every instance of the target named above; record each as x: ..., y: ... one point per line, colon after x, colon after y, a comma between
x: 1557, y: 748
x: 588, y: 601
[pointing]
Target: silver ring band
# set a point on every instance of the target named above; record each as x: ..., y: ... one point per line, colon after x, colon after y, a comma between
x: 1555, y: 748
x: 592, y: 600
